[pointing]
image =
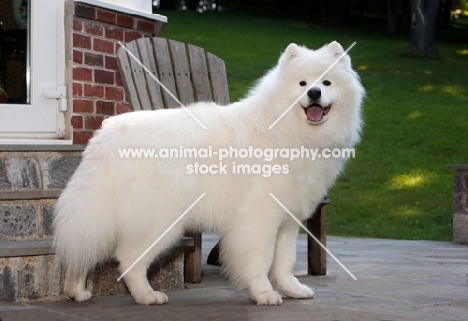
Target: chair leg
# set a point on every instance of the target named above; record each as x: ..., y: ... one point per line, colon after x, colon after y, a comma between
x: 193, y: 259
x: 317, y: 257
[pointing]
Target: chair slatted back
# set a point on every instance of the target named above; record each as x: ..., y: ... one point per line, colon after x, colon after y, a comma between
x: 187, y: 71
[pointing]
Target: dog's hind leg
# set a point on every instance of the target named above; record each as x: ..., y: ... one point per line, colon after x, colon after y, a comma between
x: 136, y: 278
x: 140, y: 289
x: 75, y: 286
x: 283, y: 265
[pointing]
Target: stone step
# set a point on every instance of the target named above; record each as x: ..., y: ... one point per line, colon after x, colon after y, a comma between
x: 29, y: 271
x: 30, y: 194
x: 45, y: 247
x: 37, y: 167
x: 27, y: 214
x: 26, y: 248
x: 31, y: 180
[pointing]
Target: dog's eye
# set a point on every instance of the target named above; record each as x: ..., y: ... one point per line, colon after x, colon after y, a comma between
x: 303, y: 83
x: 326, y: 83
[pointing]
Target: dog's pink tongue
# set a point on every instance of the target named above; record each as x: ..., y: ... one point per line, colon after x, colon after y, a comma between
x: 314, y: 113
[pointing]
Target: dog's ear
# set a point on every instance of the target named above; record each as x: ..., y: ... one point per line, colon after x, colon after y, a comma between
x: 337, y: 51
x: 291, y: 52
x: 336, y: 48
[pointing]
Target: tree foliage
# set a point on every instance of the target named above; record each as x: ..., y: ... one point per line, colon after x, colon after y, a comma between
x: 416, y: 19
x: 393, y: 15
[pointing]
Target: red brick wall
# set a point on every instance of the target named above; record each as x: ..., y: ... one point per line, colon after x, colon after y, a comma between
x: 98, y: 92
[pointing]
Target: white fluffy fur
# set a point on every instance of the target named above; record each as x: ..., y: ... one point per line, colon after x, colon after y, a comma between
x: 115, y: 207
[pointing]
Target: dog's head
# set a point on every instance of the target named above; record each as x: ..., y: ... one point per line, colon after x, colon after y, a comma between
x: 322, y: 81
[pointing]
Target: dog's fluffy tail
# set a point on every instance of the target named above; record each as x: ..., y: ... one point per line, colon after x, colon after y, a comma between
x: 84, y: 227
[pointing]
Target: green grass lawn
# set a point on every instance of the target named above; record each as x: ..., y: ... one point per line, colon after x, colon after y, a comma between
x: 416, y: 117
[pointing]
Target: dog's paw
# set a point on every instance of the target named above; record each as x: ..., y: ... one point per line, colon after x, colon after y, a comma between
x: 267, y: 298
x: 151, y: 298
x: 79, y: 296
x: 299, y: 291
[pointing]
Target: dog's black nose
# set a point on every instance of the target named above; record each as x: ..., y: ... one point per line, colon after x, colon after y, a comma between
x: 314, y: 93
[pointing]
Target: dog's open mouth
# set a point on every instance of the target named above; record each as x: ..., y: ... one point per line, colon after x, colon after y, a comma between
x: 316, y: 112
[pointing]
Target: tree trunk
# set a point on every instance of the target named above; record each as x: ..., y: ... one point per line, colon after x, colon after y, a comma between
x: 423, y: 25
x: 391, y: 16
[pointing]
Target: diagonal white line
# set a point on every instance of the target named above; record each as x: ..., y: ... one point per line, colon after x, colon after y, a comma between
x: 312, y: 235
x: 161, y: 84
x: 315, y: 82
x: 162, y: 235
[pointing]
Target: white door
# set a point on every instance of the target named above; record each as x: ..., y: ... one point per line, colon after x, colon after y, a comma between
x: 37, y: 117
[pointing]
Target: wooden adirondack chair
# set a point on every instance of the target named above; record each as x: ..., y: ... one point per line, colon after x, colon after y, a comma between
x: 191, y: 74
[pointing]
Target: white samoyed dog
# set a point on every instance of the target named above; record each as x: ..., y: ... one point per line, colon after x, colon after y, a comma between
x: 116, y: 207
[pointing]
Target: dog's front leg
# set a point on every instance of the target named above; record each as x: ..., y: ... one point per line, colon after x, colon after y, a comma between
x: 283, y: 265
x: 247, y: 251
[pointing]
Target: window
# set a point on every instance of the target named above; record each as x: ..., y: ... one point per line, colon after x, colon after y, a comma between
x: 31, y: 67
x: 14, y: 52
